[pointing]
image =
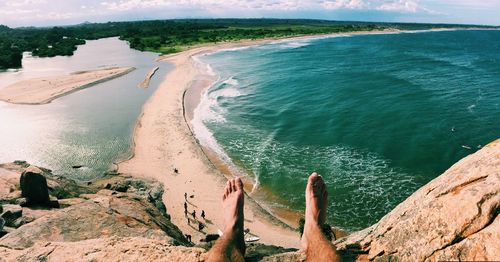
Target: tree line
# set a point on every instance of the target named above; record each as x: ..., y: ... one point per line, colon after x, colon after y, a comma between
x: 167, y: 36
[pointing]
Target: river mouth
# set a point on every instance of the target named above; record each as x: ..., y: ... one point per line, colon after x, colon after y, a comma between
x: 91, y: 128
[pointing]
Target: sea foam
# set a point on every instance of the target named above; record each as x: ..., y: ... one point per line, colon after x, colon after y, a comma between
x: 209, y: 111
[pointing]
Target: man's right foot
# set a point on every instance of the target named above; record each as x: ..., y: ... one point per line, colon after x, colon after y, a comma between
x: 232, y: 203
x: 316, y: 207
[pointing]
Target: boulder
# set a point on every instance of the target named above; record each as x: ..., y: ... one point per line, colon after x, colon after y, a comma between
x: 9, y: 181
x: 453, y: 217
x: 11, y: 213
x: 34, y: 187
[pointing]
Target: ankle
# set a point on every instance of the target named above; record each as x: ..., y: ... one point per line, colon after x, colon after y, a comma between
x: 311, y: 229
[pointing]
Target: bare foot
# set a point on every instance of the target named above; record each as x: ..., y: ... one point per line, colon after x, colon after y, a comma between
x: 316, y: 207
x: 232, y: 203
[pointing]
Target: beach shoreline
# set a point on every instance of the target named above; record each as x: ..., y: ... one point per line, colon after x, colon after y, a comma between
x: 163, y: 141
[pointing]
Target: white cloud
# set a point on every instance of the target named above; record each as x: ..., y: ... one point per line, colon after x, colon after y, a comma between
x: 399, y: 6
x: 23, y: 3
x: 344, y: 4
x: 278, y: 5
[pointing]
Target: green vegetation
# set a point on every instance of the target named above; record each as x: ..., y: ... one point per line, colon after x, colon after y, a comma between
x: 169, y: 36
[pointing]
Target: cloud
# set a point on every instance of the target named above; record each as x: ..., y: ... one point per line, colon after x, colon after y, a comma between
x: 344, y: 4
x: 277, y: 5
x: 23, y: 3
x: 399, y: 6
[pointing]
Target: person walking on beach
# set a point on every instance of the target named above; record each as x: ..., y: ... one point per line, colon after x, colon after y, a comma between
x: 189, y: 221
x: 186, y: 196
x: 200, y: 226
x: 203, y: 214
x: 185, y: 206
x: 194, y: 214
x: 231, y: 245
x: 185, y: 212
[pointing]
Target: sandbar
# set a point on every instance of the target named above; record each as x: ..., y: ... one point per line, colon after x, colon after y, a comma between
x: 43, y: 90
x: 147, y: 78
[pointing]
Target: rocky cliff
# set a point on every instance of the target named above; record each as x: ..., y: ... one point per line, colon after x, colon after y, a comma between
x: 119, y: 218
x: 453, y: 217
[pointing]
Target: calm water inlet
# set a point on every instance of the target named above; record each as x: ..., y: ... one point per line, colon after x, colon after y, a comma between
x: 92, y: 127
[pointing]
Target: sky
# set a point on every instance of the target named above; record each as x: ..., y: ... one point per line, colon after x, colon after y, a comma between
x: 16, y: 13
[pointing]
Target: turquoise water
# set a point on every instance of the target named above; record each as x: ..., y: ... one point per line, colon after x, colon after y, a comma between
x: 377, y: 115
x: 92, y: 127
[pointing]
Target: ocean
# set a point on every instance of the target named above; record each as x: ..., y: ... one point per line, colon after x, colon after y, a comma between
x: 378, y: 116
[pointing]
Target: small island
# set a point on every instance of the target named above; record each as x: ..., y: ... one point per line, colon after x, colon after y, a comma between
x: 43, y: 90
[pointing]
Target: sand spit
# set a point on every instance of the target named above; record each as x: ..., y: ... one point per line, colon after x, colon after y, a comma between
x: 43, y: 90
x: 147, y: 78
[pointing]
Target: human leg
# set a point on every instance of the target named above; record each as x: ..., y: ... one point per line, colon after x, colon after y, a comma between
x: 231, y: 245
x: 314, y: 243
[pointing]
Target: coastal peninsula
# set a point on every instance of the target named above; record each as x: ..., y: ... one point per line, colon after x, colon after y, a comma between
x: 43, y: 90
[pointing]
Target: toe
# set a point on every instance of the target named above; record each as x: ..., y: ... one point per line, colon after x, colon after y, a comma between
x: 231, y: 185
x: 229, y: 188
x: 238, y: 184
x: 312, y: 180
x: 320, y: 182
x: 226, y: 192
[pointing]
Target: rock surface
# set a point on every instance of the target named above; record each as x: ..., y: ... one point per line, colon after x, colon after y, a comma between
x: 453, y: 217
x: 105, y: 249
x: 8, y: 181
x: 105, y: 214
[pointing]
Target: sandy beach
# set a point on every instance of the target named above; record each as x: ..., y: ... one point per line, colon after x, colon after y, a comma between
x: 163, y: 141
x: 43, y: 90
